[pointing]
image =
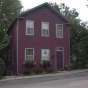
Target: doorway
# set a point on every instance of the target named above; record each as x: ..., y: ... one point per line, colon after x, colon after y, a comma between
x: 59, y: 59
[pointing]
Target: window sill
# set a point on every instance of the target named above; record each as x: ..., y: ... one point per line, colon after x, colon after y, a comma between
x: 59, y: 37
x: 29, y: 35
x: 44, y: 36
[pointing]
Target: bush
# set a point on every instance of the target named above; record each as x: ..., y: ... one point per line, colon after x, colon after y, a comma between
x: 80, y: 64
x: 45, y: 63
x: 86, y: 66
x: 2, y: 67
x: 32, y: 73
x: 29, y: 63
x: 21, y: 75
x: 26, y: 72
x: 50, y: 71
x: 38, y: 71
x: 68, y: 66
x: 55, y: 72
x: 44, y: 72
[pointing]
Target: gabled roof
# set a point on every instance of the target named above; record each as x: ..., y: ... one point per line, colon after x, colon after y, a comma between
x: 35, y: 8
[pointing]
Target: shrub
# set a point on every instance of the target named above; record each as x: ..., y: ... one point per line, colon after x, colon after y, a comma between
x: 45, y: 63
x: 86, y: 66
x: 68, y: 66
x: 26, y: 72
x: 29, y: 63
x: 32, y: 73
x: 44, y: 72
x: 21, y: 75
x: 80, y: 65
x: 2, y: 67
x: 55, y: 72
x: 50, y: 71
x: 38, y: 71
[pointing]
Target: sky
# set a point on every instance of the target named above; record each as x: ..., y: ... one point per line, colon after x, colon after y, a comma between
x: 79, y: 5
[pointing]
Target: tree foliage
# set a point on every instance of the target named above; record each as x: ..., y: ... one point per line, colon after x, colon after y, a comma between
x: 8, y: 10
x: 78, y: 34
x: 2, y: 67
x: 5, y: 42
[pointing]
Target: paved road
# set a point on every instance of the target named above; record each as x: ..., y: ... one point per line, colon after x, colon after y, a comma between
x: 76, y: 80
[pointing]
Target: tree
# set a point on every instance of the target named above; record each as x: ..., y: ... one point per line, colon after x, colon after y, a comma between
x: 55, y: 6
x: 8, y: 10
x: 2, y: 67
x: 78, y: 34
x: 5, y: 42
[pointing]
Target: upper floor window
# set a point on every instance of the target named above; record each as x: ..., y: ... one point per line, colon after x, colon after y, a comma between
x: 29, y: 54
x: 29, y: 27
x: 45, y: 54
x: 45, y: 29
x: 59, y: 30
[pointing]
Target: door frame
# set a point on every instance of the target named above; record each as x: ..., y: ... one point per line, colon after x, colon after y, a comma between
x: 56, y: 56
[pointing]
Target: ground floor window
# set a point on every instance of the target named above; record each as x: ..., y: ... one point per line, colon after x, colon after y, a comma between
x: 29, y: 54
x: 45, y: 54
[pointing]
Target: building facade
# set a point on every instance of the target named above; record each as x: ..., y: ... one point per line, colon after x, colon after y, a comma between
x: 38, y: 34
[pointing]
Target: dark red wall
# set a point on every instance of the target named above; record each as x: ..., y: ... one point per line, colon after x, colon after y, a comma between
x: 39, y: 42
x: 12, y: 68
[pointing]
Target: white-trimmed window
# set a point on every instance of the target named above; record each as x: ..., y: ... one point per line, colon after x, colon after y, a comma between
x: 45, y: 54
x: 29, y: 54
x: 59, y: 30
x: 29, y: 27
x: 45, y: 29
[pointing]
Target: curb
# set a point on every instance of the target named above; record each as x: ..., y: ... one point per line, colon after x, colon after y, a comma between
x: 8, y: 78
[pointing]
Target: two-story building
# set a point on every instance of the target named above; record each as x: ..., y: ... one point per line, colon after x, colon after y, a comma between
x: 40, y: 33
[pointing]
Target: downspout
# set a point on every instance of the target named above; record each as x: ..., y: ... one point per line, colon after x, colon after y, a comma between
x: 17, y: 38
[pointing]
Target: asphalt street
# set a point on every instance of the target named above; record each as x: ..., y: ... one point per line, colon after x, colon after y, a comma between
x: 75, y: 80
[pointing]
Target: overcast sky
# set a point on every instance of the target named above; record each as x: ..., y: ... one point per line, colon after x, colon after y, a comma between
x: 80, y: 5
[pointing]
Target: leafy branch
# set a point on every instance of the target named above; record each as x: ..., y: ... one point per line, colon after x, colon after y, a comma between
x: 5, y: 42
